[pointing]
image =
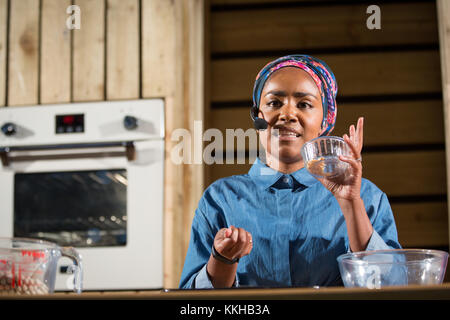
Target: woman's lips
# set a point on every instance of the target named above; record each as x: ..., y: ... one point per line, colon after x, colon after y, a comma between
x: 286, y: 134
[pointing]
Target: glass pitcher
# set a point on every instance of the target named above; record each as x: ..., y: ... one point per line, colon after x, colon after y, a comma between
x: 28, y: 266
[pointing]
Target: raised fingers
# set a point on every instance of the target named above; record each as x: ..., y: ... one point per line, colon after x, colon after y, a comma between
x: 360, y: 132
x: 356, y: 134
x: 353, y: 148
x: 352, y: 131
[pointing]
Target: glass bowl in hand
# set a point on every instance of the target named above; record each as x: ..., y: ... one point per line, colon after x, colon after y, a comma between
x: 397, y: 267
x: 321, y: 156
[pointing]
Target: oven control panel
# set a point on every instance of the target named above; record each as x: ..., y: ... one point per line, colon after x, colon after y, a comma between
x: 81, y: 123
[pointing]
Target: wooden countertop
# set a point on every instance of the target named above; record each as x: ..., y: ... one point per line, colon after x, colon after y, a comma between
x: 434, y: 292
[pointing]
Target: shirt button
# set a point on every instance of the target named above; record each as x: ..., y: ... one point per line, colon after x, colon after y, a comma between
x: 286, y: 179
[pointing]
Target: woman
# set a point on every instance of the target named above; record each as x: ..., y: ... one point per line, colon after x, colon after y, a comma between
x: 278, y: 225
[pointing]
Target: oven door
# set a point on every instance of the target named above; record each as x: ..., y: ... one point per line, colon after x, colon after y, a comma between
x: 107, y: 207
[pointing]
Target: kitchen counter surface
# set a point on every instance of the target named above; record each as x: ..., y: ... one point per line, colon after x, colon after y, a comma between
x: 434, y: 292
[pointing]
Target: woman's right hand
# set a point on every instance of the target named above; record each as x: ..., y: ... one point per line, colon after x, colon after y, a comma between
x: 230, y: 243
x: 233, y: 242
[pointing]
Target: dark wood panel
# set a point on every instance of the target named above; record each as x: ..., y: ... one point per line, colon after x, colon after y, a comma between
x: 358, y: 74
x: 256, y: 2
x: 396, y: 173
x: 394, y: 123
x: 386, y: 123
x: 407, y: 173
x: 421, y: 224
x: 311, y: 27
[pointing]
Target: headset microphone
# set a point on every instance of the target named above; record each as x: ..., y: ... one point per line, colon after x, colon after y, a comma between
x: 258, y: 123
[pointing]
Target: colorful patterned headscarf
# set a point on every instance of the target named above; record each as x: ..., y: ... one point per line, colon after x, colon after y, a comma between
x: 322, y: 76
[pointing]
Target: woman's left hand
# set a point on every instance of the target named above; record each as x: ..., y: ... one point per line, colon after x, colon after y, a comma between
x: 349, y: 187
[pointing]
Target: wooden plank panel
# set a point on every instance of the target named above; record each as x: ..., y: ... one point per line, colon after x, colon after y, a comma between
x: 407, y: 173
x: 443, y: 9
x: 122, y: 74
x: 158, y: 45
x: 310, y: 27
x: 162, y: 76
x: 256, y: 2
x: 3, y: 48
x: 88, y: 52
x: 55, y: 52
x: 421, y: 224
x: 394, y: 123
x: 23, y: 55
x: 207, y: 112
x: 194, y: 60
x: 386, y: 123
x: 396, y: 173
x: 411, y: 72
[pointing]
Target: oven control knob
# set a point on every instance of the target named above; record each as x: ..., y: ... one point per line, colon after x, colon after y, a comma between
x: 130, y: 122
x: 9, y: 129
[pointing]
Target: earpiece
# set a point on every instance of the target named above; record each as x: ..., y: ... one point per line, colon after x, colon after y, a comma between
x: 258, y: 123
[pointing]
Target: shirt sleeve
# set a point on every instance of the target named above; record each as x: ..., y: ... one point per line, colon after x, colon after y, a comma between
x: 384, y: 228
x: 199, y: 250
x: 202, y: 280
x: 203, y: 231
x: 376, y: 242
x: 384, y: 235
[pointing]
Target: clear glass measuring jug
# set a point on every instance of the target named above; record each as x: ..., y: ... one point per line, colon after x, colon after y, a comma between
x: 28, y: 266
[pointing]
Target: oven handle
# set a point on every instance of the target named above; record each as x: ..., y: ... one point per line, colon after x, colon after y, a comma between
x: 130, y: 149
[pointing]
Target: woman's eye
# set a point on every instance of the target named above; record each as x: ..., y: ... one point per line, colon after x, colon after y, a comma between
x: 304, y: 105
x: 274, y: 103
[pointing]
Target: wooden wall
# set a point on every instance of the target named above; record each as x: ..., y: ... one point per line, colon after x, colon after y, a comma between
x: 390, y: 76
x: 125, y: 49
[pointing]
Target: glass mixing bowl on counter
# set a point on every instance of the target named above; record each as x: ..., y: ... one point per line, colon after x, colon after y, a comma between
x: 396, y: 267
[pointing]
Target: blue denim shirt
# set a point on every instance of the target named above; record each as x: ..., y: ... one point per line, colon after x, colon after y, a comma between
x: 297, y: 227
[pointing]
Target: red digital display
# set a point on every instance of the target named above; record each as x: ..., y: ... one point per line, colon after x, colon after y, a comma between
x: 68, y: 119
x: 69, y: 123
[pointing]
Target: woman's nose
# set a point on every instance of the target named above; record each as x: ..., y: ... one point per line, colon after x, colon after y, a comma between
x: 288, y: 113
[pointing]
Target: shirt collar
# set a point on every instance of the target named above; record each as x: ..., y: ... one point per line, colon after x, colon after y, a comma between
x: 265, y: 176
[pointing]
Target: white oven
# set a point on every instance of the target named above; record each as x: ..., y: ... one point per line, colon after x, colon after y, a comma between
x: 88, y: 175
